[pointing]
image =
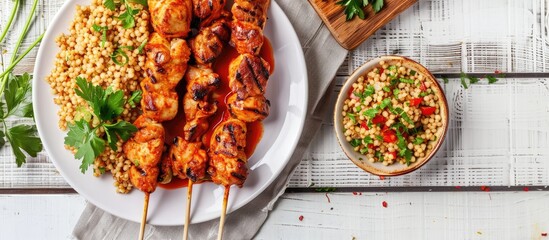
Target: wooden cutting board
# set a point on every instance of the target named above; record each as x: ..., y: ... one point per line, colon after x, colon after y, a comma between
x: 350, y: 34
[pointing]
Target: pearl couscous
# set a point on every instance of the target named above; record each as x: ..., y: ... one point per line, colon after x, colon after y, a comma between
x: 87, y: 51
x: 392, y: 114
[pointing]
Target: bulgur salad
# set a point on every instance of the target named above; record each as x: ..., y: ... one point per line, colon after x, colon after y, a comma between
x: 393, y: 115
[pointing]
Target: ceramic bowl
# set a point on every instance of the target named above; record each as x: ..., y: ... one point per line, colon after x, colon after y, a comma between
x: 359, y: 159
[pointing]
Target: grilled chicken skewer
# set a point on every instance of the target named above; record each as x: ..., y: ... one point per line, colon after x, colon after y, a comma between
x: 145, y: 150
x: 228, y: 160
x: 166, y: 63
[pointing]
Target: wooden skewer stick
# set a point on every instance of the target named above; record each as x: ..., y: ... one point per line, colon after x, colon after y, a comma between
x: 144, y: 217
x: 188, y: 213
x: 223, y: 213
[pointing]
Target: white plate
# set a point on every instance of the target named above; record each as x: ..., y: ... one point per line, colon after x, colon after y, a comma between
x: 287, y: 90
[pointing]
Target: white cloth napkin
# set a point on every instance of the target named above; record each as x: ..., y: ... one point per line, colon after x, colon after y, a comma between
x: 323, y: 56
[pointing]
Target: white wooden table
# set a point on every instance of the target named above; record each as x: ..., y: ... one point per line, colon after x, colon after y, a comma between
x: 443, y: 200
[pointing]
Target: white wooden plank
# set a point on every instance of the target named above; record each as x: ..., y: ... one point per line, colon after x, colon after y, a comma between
x: 460, y: 215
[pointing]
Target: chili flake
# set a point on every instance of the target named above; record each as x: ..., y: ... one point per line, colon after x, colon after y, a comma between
x: 301, y: 218
x: 328, y: 198
x: 526, y: 189
x: 384, y: 204
x: 381, y: 177
x: 458, y: 187
x: 355, y: 193
x: 485, y: 188
x: 544, y: 234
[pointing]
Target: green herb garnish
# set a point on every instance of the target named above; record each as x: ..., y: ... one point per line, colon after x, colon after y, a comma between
x: 371, y: 113
x: 356, y: 7
x: 386, y: 89
x: 491, y: 79
x: 418, y: 141
x: 120, y: 54
x: 103, y: 31
x: 106, y: 105
x: 445, y: 80
x: 463, y: 83
x: 404, y: 80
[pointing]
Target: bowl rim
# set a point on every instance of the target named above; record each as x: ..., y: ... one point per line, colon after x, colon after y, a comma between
x: 360, y: 71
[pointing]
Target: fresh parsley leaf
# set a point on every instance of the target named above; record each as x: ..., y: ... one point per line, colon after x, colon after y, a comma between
x: 121, y: 130
x: 119, y: 53
x: 406, y: 118
x: 376, y: 5
x: 352, y: 117
x: 106, y: 104
x: 371, y: 113
x: 413, y: 72
x: 142, y: 46
x: 355, y: 142
x: 446, y: 81
x: 491, y: 79
x: 463, y: 83
x: 103, y: 31
x: 368, y: 140
x: 392, y: 68
x: 127, y: 17
x: 386, y: 89
x: 86, y: 142
x: 109, y: 4
x: 369, y: 91
x: 353, y: 7
x: 142, y: 2
x: 405, y: 80
x: 473, y: 80
x: 379, y: 156
x: 396, y: 91
x: 136, y: 163
x: 135, y: 98
x: 101, y: 170
x: 418, y: 141
x: 379, y: 137
x: 23, y: 138
x: 17, y: 96
x: 386, y: 102
x: 423, y: 94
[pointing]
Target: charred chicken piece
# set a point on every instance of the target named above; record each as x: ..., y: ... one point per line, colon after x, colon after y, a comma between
x: 160, y: 106
x: 228, y: 160
x: 166, y: 61
x: 171, y: 18
x: 144, y: 179
x: 248, y: 75
x: 246, y: 37
x: 208, y: 10
x: 251, y: 109
x: 251, y: 11
x: 144, y: 149
x: 189, y: 159
x: 209, y: 43
x: 201, y: 82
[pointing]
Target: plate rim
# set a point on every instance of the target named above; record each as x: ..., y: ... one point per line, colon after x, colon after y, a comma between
x: 291, y: 34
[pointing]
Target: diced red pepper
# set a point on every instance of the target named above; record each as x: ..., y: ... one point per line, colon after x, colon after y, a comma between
x: 394, y: 155
x: 385, y: 127
x: 384, y: 204
x: 428, y: 110
x: 379, y: 119
x: 301, y: 218
x: 350, y: 92
x: 415, y: 101
x: 389, y: 136
x: 422, y: 87
x: 371, y: 146
x: 364, y: 125
x: 381, y: 70
x: 526, y: 189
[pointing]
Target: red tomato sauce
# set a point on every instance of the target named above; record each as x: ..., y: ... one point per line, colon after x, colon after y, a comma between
x: 174, y: 128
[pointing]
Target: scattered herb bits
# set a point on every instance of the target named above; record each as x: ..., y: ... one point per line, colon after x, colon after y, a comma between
x: 354, y: 8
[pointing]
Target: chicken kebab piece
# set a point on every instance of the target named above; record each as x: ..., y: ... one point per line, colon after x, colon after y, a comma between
x: 208, y: 10
x: 208, y: 44
x: 227, y: 156
x: 249, y: 18
x: 171, y: 18
x: 248, y: 76
x: 166, y: 62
